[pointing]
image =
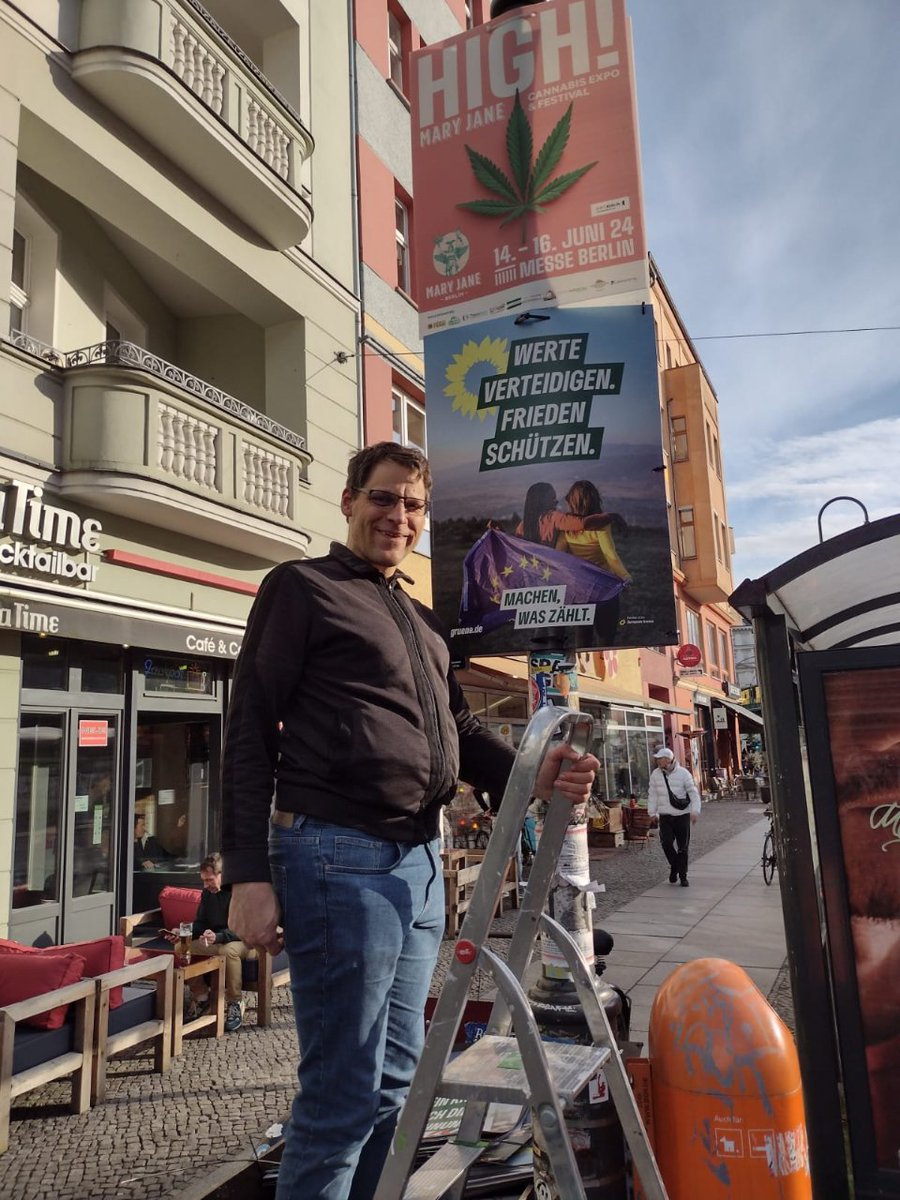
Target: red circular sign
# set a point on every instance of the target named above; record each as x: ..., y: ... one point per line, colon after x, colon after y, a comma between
x: 689, y: 655
x: 466, y: 951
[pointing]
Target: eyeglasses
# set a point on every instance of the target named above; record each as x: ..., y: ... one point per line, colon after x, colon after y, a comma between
x: 381, y: 499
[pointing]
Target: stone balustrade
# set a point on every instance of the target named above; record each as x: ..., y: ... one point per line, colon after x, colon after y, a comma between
x: 152, y: 61
x: 131, y: 412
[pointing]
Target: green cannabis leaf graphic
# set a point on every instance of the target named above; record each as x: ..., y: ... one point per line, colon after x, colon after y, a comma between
x: 530, y: 189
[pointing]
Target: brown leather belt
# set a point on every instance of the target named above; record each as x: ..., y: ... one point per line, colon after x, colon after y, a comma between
x: 284, y: 819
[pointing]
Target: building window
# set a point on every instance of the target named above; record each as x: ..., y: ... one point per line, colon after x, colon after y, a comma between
x: 712, y: 648
x: 694, y: 635
x: 409, y: 420
x: 18, y: 291
x: 679, y: 439
x: 398, y: 41
x: 122, y: 323
x: 470, y: 14
x: 709, y: 452
x: 686, y: 540
x: 723, y: 653
x: 717, y: 456
x: 668, y: 357
x: 32, y: 288
x: 717, y: 526
x: 726, y: 556
x: 401, y: 215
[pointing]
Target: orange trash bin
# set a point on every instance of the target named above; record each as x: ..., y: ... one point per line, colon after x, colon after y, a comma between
x: 727, y: 1101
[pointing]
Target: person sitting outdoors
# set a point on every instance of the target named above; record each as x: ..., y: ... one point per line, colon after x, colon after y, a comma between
x: 212, y: 937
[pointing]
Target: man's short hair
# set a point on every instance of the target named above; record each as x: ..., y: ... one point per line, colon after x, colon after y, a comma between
x: 364, y: 462
x: 212, y: 862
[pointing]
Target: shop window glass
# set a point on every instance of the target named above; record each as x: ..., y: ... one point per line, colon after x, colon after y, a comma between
x: 618, y: 776
x: 37, y: 842
x: 171, y: 794
x: 101, y: 670
x: 477, y: 702
x: 178, y: 675
x: 509, y: 708
x: 95, y: 773
x: 639, y: 762
x: 45, y: 664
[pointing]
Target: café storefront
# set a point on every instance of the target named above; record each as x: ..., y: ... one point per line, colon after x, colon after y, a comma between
x: 112, y: 696
x: 118, y: 717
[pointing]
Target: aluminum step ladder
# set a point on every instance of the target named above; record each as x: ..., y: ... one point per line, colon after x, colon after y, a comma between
x: 520, y: 1068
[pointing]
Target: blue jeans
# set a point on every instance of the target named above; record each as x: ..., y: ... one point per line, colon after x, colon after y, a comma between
x: 363, y: 919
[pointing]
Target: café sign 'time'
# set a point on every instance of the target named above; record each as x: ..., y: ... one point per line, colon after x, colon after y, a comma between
x: 43, y: 537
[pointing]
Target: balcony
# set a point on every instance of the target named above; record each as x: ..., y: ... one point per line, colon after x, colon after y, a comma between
x: 175, y: 76
x: 144, y: 439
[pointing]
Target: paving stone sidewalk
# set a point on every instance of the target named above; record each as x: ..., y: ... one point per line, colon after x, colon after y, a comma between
x: 155, y: 1134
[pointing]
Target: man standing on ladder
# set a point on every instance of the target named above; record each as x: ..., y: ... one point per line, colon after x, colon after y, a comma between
x: 674, y: 797
x: 374, y: 732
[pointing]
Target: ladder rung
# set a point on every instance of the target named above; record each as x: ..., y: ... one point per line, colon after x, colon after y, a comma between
x: 491, y: 1069
x: 442, y: 1170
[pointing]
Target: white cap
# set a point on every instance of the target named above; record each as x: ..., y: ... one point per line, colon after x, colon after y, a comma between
x: 663, y: 752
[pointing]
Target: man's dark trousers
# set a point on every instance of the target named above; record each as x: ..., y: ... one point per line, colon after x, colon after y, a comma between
x: 675, y: 837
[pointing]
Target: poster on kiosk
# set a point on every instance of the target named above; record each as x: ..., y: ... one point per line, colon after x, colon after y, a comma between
x: 549, y: 517
x: 525, y: 165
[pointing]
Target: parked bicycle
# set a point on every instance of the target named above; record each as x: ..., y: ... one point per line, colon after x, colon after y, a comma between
x: 769, y: 857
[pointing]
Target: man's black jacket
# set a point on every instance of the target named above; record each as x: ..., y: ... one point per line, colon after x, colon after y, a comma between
x: 375, y: 729
x: 212, y: 913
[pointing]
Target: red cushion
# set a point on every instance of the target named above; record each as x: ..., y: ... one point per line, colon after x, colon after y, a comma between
x: 100, y: 955
x: 178, y: 904
x: 24, y: 974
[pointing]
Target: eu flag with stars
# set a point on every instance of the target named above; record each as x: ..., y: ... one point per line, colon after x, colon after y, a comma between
x: 498, y: 562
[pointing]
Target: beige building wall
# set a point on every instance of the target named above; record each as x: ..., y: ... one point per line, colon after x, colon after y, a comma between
x: 9, y: 729
x: 239, y: 280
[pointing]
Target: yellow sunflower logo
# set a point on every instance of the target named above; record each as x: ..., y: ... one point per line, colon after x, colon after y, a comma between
x: 474, y: 362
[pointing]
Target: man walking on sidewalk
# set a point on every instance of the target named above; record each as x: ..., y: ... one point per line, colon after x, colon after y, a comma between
x: 673, y: 796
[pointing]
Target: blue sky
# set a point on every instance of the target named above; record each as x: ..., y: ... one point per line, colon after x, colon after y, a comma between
x: 770, y: 137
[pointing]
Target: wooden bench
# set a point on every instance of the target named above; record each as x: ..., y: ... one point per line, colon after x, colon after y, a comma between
x: 117, y: 1030
x: 53, y: 1054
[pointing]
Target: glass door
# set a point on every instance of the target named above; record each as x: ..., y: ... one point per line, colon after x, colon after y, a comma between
x: 38, y: 839
x: 174, y: 824
x: 88, y: 899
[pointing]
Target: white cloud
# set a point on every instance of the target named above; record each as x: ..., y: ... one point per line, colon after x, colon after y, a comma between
x: 768, y: 135
x: 774, y: 509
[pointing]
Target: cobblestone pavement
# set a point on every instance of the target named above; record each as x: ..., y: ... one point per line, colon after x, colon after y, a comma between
x: 155, y: 1134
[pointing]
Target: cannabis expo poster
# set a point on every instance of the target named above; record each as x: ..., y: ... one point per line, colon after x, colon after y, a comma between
x: 525, y: 164
x: 549, y: 523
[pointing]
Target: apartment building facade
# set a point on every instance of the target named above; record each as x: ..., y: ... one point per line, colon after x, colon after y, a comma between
x: 179, y: 398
